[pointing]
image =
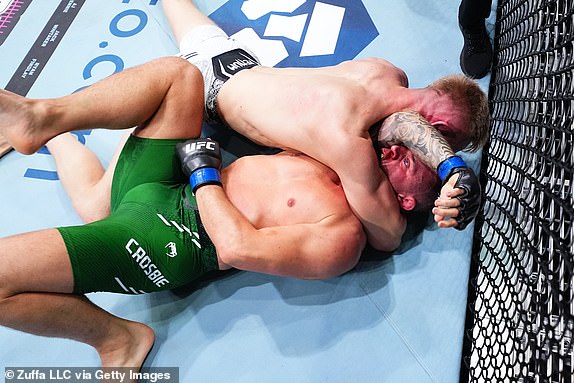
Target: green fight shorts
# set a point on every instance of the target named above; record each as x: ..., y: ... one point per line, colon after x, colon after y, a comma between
x: 153, y: 239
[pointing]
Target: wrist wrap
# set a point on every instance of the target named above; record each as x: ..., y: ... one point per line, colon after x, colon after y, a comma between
x: 204, y: 176
x: 445, y: 168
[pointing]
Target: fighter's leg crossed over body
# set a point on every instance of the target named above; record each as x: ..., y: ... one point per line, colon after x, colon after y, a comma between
x: 45, y: 305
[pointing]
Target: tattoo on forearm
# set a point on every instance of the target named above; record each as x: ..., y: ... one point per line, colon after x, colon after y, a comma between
x: 414, y: 132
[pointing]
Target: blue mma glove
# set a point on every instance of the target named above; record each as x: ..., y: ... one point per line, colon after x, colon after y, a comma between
x: 468, y: 182
x: 201, y: 161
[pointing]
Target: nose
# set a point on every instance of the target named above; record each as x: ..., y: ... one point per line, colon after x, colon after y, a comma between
x: 394, y: 152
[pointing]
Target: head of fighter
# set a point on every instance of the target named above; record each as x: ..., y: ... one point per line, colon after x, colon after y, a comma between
x: 416, y: 185
x: 458, y: 108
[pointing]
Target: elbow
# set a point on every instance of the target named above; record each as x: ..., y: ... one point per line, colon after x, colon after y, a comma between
x: 229, y: 252
x: 343, y: 257
x: 226, y: 257
x: 344, y: 263
x: 333, y: 269
x: 392, y: 239
x: 390, y: 244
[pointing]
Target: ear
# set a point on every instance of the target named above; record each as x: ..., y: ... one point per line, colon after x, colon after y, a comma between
x: 406, y: 202
x: 439, y: 124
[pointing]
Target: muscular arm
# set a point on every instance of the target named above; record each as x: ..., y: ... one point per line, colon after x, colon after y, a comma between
x: 310, y: 251
x: 413, y: 131
x: 368, y: 191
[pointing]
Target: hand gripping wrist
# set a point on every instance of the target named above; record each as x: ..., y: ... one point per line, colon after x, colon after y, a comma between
x: 470, y: 185
x: 201, y: 161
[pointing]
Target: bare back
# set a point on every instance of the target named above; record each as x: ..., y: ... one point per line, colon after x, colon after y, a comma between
x: 289, y: 107
x: 326, y: 113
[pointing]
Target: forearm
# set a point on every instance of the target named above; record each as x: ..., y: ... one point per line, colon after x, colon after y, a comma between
x: 227, y: 228
x: 385, y: 237
x: 370, y: 194
x: 307, y: 250
x: 413, y: 131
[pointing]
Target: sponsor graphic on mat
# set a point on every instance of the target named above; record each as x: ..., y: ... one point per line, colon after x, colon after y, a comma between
x: 45, y: 45
x: 10, y: 12
x: 103, y: 51
x: 299, y: 33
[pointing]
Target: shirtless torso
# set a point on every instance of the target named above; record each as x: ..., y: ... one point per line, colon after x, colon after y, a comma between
x: 272, y: 105
x: 326, y: 114
x: 303, y: 191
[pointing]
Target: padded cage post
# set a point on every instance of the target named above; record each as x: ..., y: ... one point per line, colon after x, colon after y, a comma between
x: 520, y: 320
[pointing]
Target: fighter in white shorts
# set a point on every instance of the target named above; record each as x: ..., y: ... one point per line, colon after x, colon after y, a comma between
x: 218, y: 57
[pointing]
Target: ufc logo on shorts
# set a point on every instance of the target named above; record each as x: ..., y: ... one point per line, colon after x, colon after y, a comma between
x: 193, y: 146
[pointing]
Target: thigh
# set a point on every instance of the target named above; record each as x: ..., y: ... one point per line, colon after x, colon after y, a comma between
x: 218, y: 57
x: 35, y: 262
x: 150, y: 243
x: 142, y: 161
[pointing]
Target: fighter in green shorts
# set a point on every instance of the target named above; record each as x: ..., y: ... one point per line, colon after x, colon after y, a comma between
x: 285, y: 214
x: 153, y: 239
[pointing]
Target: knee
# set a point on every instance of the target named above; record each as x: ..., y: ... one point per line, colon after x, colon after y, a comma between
x: 176, y: 67
x: 178, y: 72
x: 92, y: 215
x: 182, y: 70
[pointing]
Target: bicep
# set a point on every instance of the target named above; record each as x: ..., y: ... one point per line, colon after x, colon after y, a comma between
x: 370, y: 194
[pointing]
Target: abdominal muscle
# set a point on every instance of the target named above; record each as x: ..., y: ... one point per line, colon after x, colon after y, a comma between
x: 283, y: 189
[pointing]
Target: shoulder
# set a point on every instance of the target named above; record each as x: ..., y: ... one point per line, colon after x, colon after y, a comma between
x: 384, y: 68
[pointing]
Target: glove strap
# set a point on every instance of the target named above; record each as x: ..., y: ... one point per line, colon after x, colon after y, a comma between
x: 447, y: 165
x: 204, y: 176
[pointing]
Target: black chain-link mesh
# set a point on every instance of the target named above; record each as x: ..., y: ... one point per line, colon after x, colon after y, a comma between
x: 521, y: 296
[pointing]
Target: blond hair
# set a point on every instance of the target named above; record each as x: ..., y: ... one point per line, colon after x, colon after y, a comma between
x: 466, y: 93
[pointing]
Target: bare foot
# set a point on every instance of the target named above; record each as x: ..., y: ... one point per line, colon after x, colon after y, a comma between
x: 127, y: 350
x: 18, y: 123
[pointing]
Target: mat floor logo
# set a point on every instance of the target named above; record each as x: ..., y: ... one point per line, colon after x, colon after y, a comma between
x: 286, y: 33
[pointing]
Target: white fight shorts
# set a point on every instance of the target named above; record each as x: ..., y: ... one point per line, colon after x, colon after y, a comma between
x: 218, y: 57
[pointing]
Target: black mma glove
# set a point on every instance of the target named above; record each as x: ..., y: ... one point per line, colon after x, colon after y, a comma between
x: 201, y: 161
x: 467, y: 181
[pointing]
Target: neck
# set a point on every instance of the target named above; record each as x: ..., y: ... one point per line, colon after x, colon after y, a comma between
x: 417, y: 99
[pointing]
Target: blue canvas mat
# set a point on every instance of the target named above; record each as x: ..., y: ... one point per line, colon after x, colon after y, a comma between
x: 392, y: 319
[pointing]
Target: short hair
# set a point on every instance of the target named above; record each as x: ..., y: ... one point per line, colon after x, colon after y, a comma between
x: 467, y: 93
